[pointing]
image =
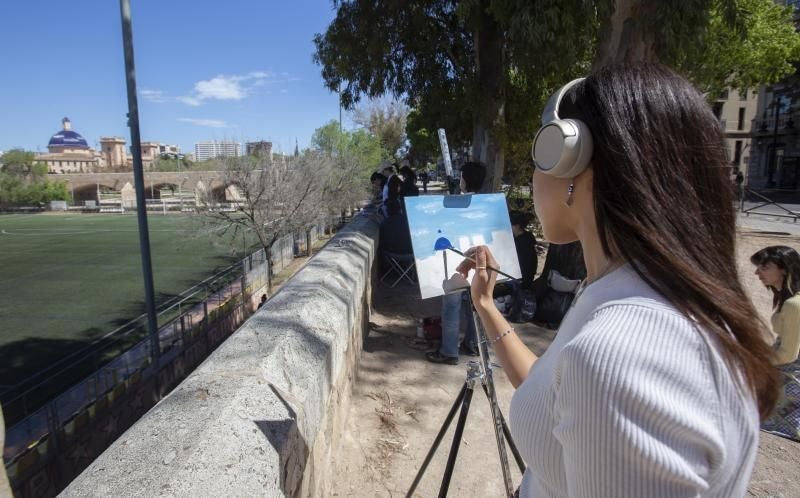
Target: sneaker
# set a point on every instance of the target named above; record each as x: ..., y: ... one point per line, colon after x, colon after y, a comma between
x: 437, y: 357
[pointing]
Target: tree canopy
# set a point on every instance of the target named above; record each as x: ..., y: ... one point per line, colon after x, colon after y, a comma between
x: 358, y: 152
x: 482, y: 69
x: 24, y: 182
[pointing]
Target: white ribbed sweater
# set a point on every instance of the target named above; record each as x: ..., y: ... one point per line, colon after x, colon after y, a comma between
x: 632, y: 400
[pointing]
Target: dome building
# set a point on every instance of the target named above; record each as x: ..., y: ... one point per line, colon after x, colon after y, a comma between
x: 68, y: 152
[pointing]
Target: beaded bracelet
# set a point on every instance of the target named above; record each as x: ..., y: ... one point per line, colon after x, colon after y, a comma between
x: 497, y: 339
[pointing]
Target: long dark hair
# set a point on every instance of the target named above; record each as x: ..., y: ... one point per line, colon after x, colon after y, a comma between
x: 787, y: 260
x: 664, y: 204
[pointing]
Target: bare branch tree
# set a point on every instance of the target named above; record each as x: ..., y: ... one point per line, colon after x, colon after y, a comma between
x: 272, y: 198
x: 385, y: 119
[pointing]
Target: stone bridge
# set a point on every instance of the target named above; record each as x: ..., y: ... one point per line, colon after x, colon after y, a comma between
x: 88, y: 186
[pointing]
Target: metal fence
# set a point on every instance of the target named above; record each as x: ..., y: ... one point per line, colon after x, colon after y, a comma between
x: 769, y: 206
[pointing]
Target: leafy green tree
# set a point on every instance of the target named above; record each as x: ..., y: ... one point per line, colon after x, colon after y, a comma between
x: 449, y: 59
x: 18, y: 162
x: 166, y: 163
x: 489, y: 64
x: 423, y: 141
x: 24, y: 181
x: 760, y: 48
x: 358, y: 151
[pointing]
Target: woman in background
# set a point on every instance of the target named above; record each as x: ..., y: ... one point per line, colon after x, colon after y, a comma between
x: 778, y: 268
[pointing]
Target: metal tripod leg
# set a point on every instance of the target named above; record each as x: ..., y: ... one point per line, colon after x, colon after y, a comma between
x: 497, y: 417
x: 451, y: 459
x: 439, y: 437
x: 509, y: 439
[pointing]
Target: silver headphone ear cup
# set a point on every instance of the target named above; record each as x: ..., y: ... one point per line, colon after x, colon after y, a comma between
x: 562, y: 148
x: 548, y: 147
x: 582, y: 148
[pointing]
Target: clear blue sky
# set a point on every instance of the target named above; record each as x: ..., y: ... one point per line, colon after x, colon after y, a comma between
x: 237, y: 69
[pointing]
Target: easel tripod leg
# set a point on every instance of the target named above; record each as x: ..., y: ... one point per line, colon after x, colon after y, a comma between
x: 509, y: 439
x: 451, y: 459
x: 488, y: 385
x: 442, y: 432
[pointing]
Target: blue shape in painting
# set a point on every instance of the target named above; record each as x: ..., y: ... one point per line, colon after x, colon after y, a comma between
x: 442, y: 244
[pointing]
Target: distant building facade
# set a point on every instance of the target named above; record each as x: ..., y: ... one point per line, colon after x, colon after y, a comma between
x: 113, y: 152
x: 775, y: 158
x: 171, y: 151
x: 775, y: 162
x: 69, y: 152
x: 736, y: 111
x: 261, y: 148
x: 212, y: 149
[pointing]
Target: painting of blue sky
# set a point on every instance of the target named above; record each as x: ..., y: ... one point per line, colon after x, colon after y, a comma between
x: 464, y: 220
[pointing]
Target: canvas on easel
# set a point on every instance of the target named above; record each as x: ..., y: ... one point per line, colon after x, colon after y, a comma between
x: 437, y: 222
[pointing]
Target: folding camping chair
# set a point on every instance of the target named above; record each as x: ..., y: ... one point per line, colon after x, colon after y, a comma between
x: 399, y: 267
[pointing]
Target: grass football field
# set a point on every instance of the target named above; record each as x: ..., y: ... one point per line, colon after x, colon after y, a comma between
x: 66, y: 279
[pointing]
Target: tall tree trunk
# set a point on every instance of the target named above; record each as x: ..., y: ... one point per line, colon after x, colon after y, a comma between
x: 489, y: 121
x: 624, y: 36
x: 270, y: 263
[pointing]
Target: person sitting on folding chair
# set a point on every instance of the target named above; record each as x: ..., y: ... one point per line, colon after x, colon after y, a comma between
x: 395, y: 244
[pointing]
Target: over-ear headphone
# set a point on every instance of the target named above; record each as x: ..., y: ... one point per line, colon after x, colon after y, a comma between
x: 562, y: 147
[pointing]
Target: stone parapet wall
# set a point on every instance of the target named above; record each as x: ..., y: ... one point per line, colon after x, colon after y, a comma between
x: 263, y: 414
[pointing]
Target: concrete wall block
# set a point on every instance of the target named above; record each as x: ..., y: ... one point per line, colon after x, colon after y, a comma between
x: 262, y: 415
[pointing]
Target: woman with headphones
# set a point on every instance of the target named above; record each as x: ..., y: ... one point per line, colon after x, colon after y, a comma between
x: 657, y: 378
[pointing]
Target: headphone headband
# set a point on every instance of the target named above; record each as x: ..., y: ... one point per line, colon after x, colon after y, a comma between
x: 550, y: 112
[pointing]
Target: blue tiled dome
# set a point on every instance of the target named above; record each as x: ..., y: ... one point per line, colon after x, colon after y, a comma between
x: 68, y: 138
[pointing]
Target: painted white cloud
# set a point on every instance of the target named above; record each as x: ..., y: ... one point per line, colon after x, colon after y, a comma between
x: 212, y: 123
x: 474, y: 215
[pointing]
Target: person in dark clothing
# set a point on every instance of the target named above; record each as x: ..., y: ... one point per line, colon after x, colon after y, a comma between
x: 378, y: 181
x: 739, y: 185
x: 424, y: 177
x: 564, y: 265
x: 395, y: 236
x: 525, y: 243
x: 410, y: 188
x: 392, y: 189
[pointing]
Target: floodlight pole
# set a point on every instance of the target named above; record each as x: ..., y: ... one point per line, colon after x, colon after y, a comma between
x: 138, y: 178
